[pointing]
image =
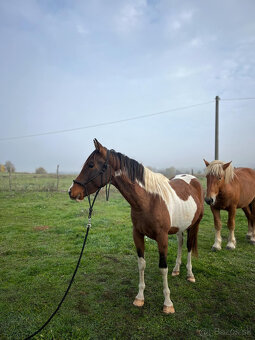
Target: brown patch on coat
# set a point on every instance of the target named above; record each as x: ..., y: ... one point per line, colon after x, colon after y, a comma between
x: 181, y: 188
x: 173, y: 230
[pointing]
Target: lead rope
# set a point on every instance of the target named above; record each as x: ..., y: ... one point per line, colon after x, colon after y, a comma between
x: 76, y: 268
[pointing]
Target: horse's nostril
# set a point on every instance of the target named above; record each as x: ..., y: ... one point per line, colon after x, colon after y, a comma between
x: 209, y: 200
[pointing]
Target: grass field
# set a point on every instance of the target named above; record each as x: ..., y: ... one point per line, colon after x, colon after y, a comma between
x: 41, y: 234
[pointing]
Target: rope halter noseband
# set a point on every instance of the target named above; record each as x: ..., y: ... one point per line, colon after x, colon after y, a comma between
x: 100, y: 173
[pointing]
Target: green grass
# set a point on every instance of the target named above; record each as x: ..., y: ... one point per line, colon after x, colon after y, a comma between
x: 34, y: 182
x: 41, y: 234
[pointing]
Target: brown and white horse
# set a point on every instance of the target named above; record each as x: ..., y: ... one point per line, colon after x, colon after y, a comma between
x: 230, y: 189
x: 159, y: 207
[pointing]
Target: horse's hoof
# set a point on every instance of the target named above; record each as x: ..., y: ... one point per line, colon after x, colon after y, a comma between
x: 252, y: 242
x: 168, y: 309
x: 215, y: 248
x: 175, y: 273
x: 248, y: 237
x: 138, y: 302
x: 191, y: 279
x: 230, y: 247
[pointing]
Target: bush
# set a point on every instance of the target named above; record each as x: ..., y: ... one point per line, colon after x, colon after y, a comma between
x: 40, y: 170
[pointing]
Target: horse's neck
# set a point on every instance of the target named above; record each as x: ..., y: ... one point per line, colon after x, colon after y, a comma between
x: 128, y: 190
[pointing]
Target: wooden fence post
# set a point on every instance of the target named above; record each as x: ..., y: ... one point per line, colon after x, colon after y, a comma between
x: 57, y: 176
x: 10, y: 181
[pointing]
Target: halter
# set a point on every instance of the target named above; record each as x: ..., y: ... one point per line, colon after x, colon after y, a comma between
x: 100, y: 173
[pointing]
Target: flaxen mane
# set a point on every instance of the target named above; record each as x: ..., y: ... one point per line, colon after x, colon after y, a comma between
x: 215, y: 168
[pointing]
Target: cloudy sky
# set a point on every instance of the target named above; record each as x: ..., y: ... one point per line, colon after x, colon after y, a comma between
x: 71, y: 64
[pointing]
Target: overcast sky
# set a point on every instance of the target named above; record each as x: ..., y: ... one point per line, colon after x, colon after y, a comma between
x: 70, y: 64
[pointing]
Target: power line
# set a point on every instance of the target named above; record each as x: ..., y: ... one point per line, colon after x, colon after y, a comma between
x: 233, y: 99
x: 105, y: 123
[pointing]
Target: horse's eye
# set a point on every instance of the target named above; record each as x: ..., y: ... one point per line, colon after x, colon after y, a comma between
x: 91, y: 165
x: 219, y: 178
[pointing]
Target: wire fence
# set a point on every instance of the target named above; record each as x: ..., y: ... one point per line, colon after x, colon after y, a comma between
x: 34, y: 182
x: 30, y: 182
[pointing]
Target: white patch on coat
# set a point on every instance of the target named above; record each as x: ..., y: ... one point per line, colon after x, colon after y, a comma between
x: 118, y: 173
x: 70, y: 187
x: 185, y: 177
x: 181, y: 212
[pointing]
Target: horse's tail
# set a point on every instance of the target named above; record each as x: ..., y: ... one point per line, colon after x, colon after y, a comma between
x: 192, y: 237
x: 252, y: 207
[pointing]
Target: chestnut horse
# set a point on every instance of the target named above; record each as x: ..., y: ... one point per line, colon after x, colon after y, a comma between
x: 230, y: 189
x: 158, y: 207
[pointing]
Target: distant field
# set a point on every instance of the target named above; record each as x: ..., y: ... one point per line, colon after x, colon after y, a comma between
x: 34, y: 182
x: 41, y: 234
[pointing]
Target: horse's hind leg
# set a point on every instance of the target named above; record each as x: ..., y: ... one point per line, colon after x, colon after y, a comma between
x: 247, y: 212
x: 176, y: 270
x: 139, y: 243
x: 192, y: 246
x: 252, y: 208
x: 162, y: 247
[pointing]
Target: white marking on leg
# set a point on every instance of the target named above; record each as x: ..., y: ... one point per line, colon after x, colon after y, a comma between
x: 176, y: 269
x: 218, y: 240
x: 231, y: 240
x: 190, y: 274
x: 141, y: 267
x: 166, y: 290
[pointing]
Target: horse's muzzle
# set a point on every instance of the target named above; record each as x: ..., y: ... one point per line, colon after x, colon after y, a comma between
x: 209, y: 200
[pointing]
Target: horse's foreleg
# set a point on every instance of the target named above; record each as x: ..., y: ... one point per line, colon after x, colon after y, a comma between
x: 139, y: 243
x: 217, y: 225
x: 231, y: 226
x: 163, y: 246
x: 176, y: 270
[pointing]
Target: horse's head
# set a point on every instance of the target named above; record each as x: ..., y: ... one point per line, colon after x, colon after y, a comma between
x: 95, y: 173
x: 217, y: 177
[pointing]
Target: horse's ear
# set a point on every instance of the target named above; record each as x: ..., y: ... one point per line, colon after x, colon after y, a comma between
x: 226, y: 165
x: 97, y: 144
x: 206, y: 163
x: 100, y: 148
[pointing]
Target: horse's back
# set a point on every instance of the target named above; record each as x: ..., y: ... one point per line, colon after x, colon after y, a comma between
x: 247, y: 174
x: 194, y: 187
x: 246, y: 180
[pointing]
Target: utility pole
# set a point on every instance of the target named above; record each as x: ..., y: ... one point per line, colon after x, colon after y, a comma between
x: 217, y: 98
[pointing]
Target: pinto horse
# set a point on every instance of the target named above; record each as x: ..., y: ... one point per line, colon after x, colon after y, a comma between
x: 159, y: 207
x: 230, y: 189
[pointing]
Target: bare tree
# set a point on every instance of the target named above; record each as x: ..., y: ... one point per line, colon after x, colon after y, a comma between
x: 9, y: 166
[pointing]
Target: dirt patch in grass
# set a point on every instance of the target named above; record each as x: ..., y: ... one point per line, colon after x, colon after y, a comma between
x: 41, y: 227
